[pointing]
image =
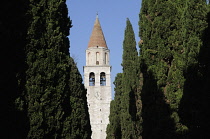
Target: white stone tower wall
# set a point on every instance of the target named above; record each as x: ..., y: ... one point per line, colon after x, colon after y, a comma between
x: 98, y: 97
x: 98, y: 94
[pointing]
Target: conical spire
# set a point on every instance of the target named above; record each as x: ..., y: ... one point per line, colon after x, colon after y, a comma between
x: 97, y: 36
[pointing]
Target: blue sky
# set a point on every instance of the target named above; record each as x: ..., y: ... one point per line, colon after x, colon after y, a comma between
x: 112, y: 15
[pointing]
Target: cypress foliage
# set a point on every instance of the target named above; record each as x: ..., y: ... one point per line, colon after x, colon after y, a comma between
x: 45, y: 95
x: 114, y: 126
x: 125, y: 112
x: 194, y: 105
x: 161, y: 63
x: 79, y: 118
x: 47, y: 76
x: 129, y: 128
x: 171, y: 33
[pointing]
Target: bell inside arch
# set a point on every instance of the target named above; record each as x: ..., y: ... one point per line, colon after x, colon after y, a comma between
x: 92, y: 79
x: 102, y: 79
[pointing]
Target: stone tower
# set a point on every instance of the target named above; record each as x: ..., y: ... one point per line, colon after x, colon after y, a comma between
x: 98, y: 82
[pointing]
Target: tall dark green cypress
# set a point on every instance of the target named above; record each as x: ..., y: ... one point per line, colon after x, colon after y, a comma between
x: 129, y: 118
x: 114, y: 126
x: 48, y: 74
x: 194, y: 105
x: 166, y: 52
x: 125, y: 112
x: 79, y: 118
x: 41, y: 95
x: 161, y: 63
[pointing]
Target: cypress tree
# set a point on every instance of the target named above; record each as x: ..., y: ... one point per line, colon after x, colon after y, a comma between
x: 79, y: 118
x: 48, y: 76
x: 171, y: 40
x: 194, y: 103
x: 129, y: 117
x: 161, y: 65
x: 41, y: 92
x: 114, y: 126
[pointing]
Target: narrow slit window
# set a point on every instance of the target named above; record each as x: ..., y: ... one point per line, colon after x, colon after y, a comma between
x: 88, y: 58
x: 92, y: 79
x: 97, y: 58
x: 102, y: 79
x: 106, y: 58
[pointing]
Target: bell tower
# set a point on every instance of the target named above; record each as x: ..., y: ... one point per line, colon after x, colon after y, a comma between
x: 98, y: 82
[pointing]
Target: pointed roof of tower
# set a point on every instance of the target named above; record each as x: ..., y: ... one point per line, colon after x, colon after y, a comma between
x: 97, y: 36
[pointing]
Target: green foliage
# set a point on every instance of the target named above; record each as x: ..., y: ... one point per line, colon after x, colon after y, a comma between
x: 160, y: 34
x: 114, y: 126
x: 79, y: 118
x: 193, y: 103
x: 48, y: 69
x: 56, y: 97
x: 172, y: 35
x: 125, y: 121
x: 129, y: 128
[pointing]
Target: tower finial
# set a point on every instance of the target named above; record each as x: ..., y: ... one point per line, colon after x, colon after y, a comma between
x: 97, y: 14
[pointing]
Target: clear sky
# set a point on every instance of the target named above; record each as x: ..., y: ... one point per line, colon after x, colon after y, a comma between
x: 112, y: 15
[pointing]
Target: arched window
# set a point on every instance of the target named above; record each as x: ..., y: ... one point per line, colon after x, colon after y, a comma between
x: 97, y: 58
x: 102, y: 79
x: 92, y: 79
